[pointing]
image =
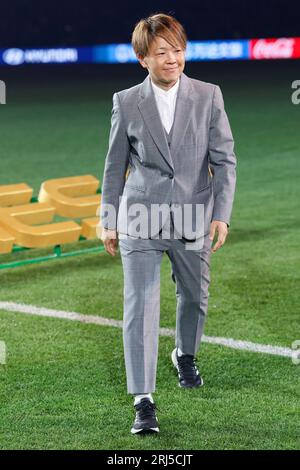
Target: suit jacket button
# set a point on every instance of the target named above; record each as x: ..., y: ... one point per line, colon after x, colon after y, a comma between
x: 171, y: 177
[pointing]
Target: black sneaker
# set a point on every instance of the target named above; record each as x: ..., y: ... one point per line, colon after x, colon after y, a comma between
x: 188, y: 373
x: 145, y: 418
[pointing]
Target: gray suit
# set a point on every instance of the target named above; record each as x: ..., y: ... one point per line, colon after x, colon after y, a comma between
x: 195, y: 164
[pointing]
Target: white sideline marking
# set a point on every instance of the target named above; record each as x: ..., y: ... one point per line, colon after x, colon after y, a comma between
x: 96, y: 320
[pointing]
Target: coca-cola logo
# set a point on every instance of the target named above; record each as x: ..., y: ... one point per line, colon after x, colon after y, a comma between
x: 282, y: 48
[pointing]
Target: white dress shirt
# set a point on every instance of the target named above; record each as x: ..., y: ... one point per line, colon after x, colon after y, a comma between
x: 166, y: 102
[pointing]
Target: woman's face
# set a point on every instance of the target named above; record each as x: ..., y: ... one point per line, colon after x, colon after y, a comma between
x: 164, y: 62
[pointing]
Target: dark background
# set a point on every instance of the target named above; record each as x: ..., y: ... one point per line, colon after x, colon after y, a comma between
x: 33, y: 23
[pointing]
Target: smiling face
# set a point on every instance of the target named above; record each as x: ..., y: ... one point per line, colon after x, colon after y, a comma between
x: 164, y: 62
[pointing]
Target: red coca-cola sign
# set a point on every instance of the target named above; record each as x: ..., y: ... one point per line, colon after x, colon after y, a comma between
x: 275, y: 48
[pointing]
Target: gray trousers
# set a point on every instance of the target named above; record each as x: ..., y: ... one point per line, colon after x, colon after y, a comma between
x: 141, y: 260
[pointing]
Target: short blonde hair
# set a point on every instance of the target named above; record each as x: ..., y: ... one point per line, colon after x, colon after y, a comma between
x: 159, y: 24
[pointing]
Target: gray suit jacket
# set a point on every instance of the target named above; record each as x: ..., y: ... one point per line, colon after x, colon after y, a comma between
x: 198, y: 167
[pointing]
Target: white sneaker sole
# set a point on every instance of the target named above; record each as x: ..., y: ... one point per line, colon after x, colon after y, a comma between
x: 150, y: 430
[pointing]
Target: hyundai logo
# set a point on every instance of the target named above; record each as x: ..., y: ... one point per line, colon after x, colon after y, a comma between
x: 13, y: 56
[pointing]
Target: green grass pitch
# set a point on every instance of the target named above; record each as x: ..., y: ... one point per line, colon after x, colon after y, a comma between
x: 63, y: 386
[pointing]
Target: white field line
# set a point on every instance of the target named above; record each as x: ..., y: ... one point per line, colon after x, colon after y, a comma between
x: 96, y: 320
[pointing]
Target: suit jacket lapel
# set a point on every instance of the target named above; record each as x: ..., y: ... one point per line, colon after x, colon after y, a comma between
x: 183, y: 113
x: 150, y: 113
x: 148, y: 108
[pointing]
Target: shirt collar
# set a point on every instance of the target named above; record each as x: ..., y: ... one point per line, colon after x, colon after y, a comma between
x: 166, y: 93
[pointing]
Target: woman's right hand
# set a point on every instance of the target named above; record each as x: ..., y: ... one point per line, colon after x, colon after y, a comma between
x: 110, y: 241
